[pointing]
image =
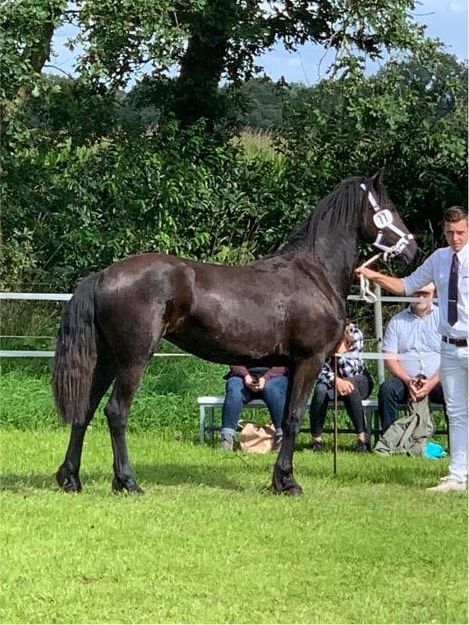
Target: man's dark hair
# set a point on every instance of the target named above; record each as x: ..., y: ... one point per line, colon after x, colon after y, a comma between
x: 454, y: 213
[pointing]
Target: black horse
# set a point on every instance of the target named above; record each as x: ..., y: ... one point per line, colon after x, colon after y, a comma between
x: 285, y: 309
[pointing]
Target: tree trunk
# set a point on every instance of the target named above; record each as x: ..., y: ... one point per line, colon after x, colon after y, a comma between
x: 203, y: 63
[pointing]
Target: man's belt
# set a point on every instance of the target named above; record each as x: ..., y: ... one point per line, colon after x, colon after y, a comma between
x: 457, y: 342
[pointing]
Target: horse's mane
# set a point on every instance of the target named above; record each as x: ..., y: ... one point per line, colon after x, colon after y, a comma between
x: 335, y: 213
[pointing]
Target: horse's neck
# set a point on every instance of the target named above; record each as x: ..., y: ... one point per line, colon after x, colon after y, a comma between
x: 338, y: 255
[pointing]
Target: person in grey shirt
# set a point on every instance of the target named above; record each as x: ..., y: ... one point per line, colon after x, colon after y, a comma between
x: 413, y: 333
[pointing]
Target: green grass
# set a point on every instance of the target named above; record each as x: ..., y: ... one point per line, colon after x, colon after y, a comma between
x: 209, y: 544
x: 167, y: 397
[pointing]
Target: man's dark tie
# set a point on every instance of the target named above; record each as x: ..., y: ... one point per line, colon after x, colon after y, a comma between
x: 453, y: 291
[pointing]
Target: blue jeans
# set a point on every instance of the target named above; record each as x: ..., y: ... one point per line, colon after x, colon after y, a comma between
x: 394, y: 392
x: 238, y: 394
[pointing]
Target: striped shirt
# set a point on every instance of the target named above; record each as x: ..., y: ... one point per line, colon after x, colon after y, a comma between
x: 348, y: 366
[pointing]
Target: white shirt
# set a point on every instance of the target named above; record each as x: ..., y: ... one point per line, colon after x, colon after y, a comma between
x: 436, y: 269
x: 407, y: 333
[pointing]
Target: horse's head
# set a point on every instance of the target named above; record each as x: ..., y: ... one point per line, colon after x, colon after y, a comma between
x: 382, y: 223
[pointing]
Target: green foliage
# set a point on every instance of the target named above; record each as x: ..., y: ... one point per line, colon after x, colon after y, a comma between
x: 82, y: 207
x: 91, y: 175
x: 203, y: 40
x: 411, y: 118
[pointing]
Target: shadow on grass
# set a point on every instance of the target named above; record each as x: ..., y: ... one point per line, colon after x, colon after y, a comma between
x: 19, y: 483
x: 159, y: 474
x: 238, y: 472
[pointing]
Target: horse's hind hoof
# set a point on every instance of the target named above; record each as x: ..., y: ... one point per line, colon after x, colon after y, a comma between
x: 290, y: 491
x: 67, y: 481
x: 285, y: 485
x: 129, y: 485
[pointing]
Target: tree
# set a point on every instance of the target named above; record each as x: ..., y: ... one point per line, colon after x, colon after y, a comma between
x: 411, y: 118
x: 207, y: 40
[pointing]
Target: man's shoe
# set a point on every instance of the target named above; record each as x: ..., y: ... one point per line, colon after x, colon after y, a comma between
x: 318, y: 446
x: 449, y: 484
x: 226, y: 442
x: 362, y: 447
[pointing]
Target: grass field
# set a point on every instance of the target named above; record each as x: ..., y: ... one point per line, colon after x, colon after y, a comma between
x: 209, y: 544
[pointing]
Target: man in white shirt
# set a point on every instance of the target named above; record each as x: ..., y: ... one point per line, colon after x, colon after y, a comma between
x: 413, y: 335
x: 448, y: 268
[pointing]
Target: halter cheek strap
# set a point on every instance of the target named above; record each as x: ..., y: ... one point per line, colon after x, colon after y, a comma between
x: 383, y: 219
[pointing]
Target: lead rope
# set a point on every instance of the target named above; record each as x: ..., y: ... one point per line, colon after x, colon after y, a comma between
x: 365, y: 290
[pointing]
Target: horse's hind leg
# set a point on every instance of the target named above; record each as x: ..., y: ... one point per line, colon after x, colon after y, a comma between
x: 117, y: 411
x: 68, y: 472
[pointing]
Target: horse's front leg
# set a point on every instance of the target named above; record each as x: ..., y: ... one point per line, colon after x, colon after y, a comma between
x: 300, y: 383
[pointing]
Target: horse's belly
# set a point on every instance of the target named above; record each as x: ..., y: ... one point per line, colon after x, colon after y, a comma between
x: 230, y: 350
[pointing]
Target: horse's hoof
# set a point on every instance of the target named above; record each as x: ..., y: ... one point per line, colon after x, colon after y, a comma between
x: 293, y: 491
x: 67, y: 481
x: 129, y: 485
x: 286, y: 485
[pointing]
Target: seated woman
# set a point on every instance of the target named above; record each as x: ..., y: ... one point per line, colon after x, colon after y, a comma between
x: 354, y: 383
x: 242, y: 386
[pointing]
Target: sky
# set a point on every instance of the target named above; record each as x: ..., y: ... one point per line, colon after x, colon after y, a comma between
x: 445, y: 19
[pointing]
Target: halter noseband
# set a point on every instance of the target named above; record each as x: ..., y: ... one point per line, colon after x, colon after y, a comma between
x: 383, y: 220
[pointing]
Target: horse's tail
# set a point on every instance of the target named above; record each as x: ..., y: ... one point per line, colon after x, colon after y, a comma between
x: 76, y: 354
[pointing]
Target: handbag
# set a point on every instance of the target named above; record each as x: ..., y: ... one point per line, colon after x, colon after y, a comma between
x: 257, y: 438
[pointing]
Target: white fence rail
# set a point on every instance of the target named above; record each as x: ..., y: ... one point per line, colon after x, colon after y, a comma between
x: 57, y: 297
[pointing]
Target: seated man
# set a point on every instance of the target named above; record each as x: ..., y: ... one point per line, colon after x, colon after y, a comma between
x: 413, y: 331
x: 242, y: 386
x: 354, y: 383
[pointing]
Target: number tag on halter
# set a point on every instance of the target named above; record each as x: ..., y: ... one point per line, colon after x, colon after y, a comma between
x: 382, y: 218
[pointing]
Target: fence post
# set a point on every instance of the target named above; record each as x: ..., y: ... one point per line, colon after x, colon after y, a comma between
x: 379, y: 330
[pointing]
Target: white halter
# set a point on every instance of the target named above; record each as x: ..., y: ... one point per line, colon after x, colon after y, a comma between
x: 382, y: 219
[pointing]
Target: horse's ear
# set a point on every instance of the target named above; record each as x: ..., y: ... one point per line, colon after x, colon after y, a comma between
x: 377, y: 179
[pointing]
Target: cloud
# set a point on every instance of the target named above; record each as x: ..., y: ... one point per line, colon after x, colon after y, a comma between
x: 441, y: 7
x: 458, y: 7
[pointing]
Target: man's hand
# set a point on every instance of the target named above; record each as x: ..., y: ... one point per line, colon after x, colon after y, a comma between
x: 413, y: 386
x: 395, y: 285
x: 366, y: 272
x: 420, y: 388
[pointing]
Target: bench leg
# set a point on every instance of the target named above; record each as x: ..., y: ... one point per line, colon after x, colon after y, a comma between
x: 210, y: 425
x: 202, y: 425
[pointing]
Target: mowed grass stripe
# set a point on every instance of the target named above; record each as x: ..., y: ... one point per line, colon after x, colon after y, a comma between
x: 209, y: 544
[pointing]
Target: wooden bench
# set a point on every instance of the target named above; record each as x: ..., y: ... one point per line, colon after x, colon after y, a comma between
x: 208, y: 405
